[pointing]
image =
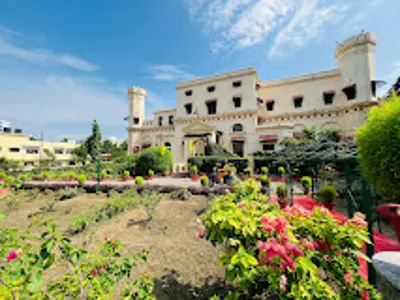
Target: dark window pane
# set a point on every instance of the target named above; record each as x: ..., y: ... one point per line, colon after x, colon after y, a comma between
x: 237, y: 83
x: 189, y: 93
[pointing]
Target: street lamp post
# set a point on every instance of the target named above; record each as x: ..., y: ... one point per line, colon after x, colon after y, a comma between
x: 98, y: 174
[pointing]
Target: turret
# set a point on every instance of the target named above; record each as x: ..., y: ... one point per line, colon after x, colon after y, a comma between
x: 137, y: 97
x: 356, y: 61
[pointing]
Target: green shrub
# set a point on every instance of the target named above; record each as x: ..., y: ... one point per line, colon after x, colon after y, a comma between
x: 233, y: 170
x: 80, y: 223
x: 181, y: 195
x: 378, y: 142
x: 81, y: 179
x: 248, y: 171
x: 68, y: 194
x: 151, y: 173
x: 23, y: 177
x: 2, y: 175
x: 8, y: 181
x: 306, y: 182
x: 204, y: 180
x: 327, y: 194
x: 206, y: 164
x: 103, y: 174
x: 47, y: 207
x: 281, y: 171
x: 126, y: 174
x: 194, y: 170
x: 264, y: 170
x: 139, y: 180
x: 281, y: 191
x: 71, y: 175
x: 264, y: 180
x: 158, y: 158
x: 46, y: 175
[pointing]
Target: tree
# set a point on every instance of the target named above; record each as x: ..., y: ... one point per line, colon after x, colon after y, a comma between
x: 93, y: 142
x: 156, y: 158
x: 50, y: 158
x: 80, y: 153
x: 394, y: 89
x: 65, y: 140
x: 378, y: 143
x: 124, y: 146
x: 108, y: 147
x: 8, y: 164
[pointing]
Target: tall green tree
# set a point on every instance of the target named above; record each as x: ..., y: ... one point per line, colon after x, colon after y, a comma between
x: 93, y: 142
x: 80, y: 154
x: 108, y: 147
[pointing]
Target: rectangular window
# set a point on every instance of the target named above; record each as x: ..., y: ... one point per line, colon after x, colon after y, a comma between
x: 237, y: 83
x: 238, y: 148
x: 32, y: 150
x: 14, y: 149
x: 373, y: 88
x: 136, y: 120
x: 188, y: 93
x: 328, y: 97
x: 58, y: 151
x: 268, y: 147
x: 160, y: 119
x: 211, y: 89
x: 270, y: 105
x: 237, y: 101
x: 298, y: 101
x: 350, y: 91
x: 188, y: 107
x: 171, y: 120
x: 212, y: 108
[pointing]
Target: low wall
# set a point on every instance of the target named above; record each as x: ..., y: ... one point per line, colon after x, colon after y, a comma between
x: 387, y: 266
x: 90, y: 187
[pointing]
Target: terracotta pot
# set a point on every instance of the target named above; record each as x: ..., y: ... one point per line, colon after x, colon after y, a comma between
x: 195, y: 177
x: 328, y: 205
x: 282, y: 204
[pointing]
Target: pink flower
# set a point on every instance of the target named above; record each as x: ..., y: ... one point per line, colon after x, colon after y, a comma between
x: 113, y: 244
x: 19, y: 252
x: 283, y: 282
x: 296, y: 211
x: 12, y: 255
x: 95, y: 272
x: 307, y: 245
x: 240, y: 204
x: 104, y: 266
x: 202, y: 233
x: 358, y: 220
x: 105, y: 239
x: 277, y: 224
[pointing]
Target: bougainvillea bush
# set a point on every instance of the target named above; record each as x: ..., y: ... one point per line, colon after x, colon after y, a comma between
x: 292, y: 253
x: 25, y: 260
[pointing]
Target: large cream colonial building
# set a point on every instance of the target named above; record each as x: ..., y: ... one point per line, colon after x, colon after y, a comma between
x: 245, y: 115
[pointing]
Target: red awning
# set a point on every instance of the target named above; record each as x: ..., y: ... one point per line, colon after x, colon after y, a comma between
x: 297, y: 97
x: 237, y: 96
x: 330, y: 92
x: 269, y: 138
x: 350, y: 85
x: 136, y: 117
x: 187, y: 103
x: 211, y: 100
x: 270, y: 100
x: 238, y: 138
x: 349, y: 138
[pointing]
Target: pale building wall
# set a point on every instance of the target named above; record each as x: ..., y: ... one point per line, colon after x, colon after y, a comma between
x: 224, y: 92
x: 356, y: 65
x: 22, y: 142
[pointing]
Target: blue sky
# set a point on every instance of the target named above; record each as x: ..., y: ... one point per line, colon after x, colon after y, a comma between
x: 65, y: 63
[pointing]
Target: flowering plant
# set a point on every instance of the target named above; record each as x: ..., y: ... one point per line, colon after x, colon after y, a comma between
x: 26, y: 260
x: 292, y: 253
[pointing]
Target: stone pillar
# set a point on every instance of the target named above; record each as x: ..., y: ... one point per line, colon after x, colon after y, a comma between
x: 387, y: 267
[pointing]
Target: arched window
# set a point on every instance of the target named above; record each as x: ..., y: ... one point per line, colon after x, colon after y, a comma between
x: 237, y: 128
x: 159, y: 121
x: 168, y: 145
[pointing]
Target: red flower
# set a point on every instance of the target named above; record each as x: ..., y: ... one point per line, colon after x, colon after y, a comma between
x: 104, y: 266
x: 95, y: 272
x: 12, y: 255
x: 202, y: 233
x: 113, y: 244
x: 277, y: 224
x: 307, y: 245
x: 105, y: 239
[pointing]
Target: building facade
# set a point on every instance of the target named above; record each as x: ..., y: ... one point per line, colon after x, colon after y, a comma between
x: 245, y: 115
x: 29, y: 152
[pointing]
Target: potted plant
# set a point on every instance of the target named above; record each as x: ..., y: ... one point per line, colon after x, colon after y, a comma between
x: 281, y: 192
x: 204, y: 180
x: 195, y: 171
x: 281, y: 172
x: 139, y: 180
x: 151, y: 174
x: 264, y: 171
x: 306, y: 183
x: 327, y: 195
x: 103, y: 175
x: 81, y: 179
x: 126, y: 175
x: 46, y: 176
x: 249, y: 172
x: 71, y: 175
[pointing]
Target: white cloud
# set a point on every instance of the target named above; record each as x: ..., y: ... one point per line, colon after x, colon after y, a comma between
x: 363, y: 11
x: 169, y: 73
x: 46, y: 57
x: 307, y: 24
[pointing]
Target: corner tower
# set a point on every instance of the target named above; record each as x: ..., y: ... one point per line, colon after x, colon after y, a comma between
x: 356, y: 59
x: 137, y: 97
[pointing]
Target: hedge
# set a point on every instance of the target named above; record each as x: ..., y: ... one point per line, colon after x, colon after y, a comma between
x: 205, y: 164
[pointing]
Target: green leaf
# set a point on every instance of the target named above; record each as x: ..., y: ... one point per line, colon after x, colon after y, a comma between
x: 36, y: 283
x: 361, y: 255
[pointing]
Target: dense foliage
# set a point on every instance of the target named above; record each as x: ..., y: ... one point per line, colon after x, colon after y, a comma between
x: 292, y: 253
x: 206, y: 164
x: 327, y: 194
x: 157, y: 158
x: 378, y: 142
